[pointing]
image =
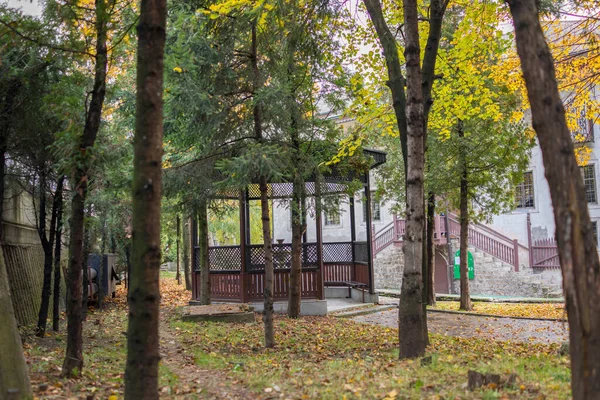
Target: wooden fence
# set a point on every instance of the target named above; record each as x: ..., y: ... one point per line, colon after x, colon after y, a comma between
x: 544, y: 254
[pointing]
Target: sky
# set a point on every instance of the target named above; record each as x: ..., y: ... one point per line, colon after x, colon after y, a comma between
x: 31, y: 7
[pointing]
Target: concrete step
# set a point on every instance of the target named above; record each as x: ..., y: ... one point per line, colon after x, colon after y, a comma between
x: 364, y: 311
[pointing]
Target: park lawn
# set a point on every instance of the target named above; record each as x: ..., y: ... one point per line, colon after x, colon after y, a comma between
x: 330, y: 358
x: 531, y: 310
x: 315, y: 358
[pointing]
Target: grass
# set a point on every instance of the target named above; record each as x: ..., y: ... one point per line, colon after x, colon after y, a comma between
x: 328, y: 358
x: 315, y: 358
x: 169, y: 274
x: 536, y: 310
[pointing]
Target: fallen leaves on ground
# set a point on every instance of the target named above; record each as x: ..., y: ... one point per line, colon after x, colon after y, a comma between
x: 530, y: 310
x: 315, y: 358
x: 331, y: 358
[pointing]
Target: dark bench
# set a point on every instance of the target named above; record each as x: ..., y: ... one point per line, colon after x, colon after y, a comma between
x: 350, y: 285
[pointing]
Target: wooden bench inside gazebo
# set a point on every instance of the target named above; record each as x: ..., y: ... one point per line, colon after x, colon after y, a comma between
x: 237, y: 272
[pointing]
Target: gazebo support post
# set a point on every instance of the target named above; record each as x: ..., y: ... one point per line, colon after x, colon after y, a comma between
x: 369, y: 235
x: 319, y: 231
x: 244, y: 207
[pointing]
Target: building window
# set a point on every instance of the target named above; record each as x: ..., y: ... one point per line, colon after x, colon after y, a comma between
x: 584, y: 132
x: 595, y: 230
x: 589, y: 182
x: 375, y: 209
x: 332, y: 213
x: 524, y: 192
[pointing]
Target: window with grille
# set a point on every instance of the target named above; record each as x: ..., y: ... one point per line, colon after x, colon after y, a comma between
x: 375, y: 209
x: 589, y: 182
x: 524, y: 192
x: 332, y: 213
x: 584, y: 132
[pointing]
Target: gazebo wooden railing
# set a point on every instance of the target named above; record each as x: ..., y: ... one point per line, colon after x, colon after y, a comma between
x: 342, y: 261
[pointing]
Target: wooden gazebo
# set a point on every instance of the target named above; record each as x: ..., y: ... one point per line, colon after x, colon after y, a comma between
x: 237, y: 272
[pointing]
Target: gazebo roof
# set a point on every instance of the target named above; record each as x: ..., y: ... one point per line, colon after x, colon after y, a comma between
x: 333, y: 181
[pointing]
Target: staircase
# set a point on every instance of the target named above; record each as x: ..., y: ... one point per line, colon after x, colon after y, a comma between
x: 499, y: 269
x: 494, y: 277
x: 480, y: 236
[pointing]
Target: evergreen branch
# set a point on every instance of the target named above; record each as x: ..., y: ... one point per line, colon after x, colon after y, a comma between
x: 124, y: 34
x: 47, y: 45
x: 212, y: 154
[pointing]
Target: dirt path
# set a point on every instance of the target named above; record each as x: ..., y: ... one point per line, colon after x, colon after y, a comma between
x: 190, y: 381
x: 467, y: 326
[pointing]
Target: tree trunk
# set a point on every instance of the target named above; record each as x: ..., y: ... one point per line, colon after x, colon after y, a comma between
x: 203, y: 254
x: 100, y: 276
x: 14, y: 382
x: 299, y: 189
x: 58, y: 199
x: 576, y: 243
x: 89, y: 236
x: 187, y: 248
x: 298, y: 228
x: 269, y: 272
x: 269, y: 286
x: 396, y: 80
x: 177, y: 275
x: 47, y: 245
x: 47, y: 248
x: 3, y: 146
x: 411, y: 319
x: 430, y: 249
x: 141, y: 374
x: 73, y: 362
x: 465, y: 295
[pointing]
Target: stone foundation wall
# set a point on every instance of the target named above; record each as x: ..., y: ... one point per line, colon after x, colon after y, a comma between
x: 388, y: 266
x: 492, y: 276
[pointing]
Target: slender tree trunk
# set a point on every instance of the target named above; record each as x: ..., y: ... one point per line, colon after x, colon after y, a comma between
x: 141, y: 374
x: 177, y: 275
x: 298, y: 228
x: 411, y: 316
x: 89, y: 237
x: 47, y: 245
x: 3, y: 145
x: 128, y: 258
x: 269, y: 286
x: 100, y: 277
x: 203, y: 254
x: 269, y: 272
x: 465, y: 295
x: 47, y: 248
x: 187, y: 248
x: 430, y: 249
x: 14, y: 382
x: 73, y: 363
x: 299, y: 190
x: 58, y: 198
x: 396, y: 80
x: 576, y: 242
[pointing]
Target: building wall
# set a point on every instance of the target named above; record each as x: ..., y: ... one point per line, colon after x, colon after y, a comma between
x: 23, y: 255
x: 514, y: 224
x: 282, y: 221
x: 18, y: 218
